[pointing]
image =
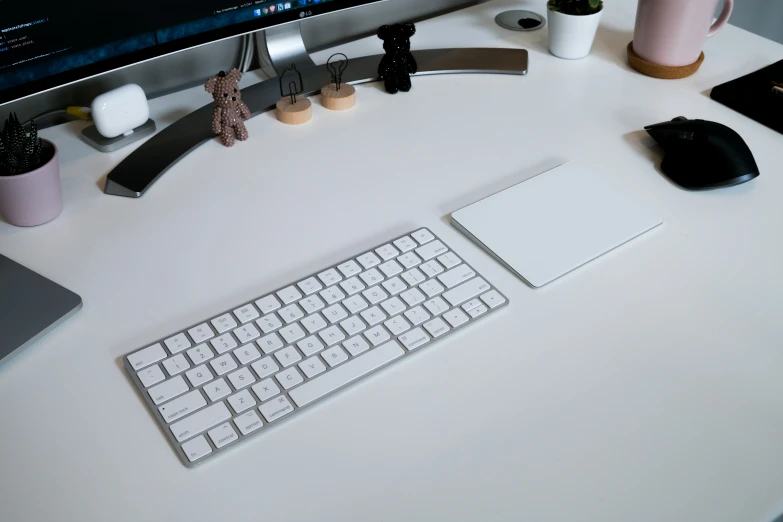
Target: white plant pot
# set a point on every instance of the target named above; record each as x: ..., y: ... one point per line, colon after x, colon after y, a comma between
x: 571, y: 36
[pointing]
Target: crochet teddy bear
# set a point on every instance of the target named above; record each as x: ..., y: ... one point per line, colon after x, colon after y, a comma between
x: 398, y: 63
x: 230, y: 110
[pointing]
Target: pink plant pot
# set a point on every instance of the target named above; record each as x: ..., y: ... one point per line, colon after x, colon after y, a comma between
x: 34, y: 198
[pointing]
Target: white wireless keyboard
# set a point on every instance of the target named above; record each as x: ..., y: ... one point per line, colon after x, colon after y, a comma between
x: 231, y: 377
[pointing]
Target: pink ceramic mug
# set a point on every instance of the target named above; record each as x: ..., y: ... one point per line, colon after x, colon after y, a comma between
x: 672, y: 32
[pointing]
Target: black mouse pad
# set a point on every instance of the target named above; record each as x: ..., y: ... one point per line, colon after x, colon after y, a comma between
x: 752, y: 95
x: 30, y: 306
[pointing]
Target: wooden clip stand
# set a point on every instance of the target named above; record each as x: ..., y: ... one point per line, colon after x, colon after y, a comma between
x: 341, y: 100
x: 295, y: 113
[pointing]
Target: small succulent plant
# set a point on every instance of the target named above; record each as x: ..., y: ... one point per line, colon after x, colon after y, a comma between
x: 576, y: 7
x: 19, y: 152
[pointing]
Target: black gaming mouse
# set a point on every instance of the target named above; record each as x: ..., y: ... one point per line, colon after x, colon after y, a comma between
x: 703, y: 154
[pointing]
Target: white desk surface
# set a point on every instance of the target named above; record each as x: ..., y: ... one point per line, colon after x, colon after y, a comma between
x: 645, y: 386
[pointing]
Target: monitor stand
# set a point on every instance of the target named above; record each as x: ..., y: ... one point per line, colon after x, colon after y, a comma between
x: 148, y: 163
x: 279, y: 47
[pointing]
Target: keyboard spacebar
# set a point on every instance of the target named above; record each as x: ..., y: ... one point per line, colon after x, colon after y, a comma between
x: 354, y: 369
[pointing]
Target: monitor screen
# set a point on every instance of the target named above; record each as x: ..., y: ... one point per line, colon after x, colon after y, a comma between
x: 48, y: 43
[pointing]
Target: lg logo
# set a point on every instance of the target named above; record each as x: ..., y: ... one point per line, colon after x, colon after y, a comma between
x: 305, y: 13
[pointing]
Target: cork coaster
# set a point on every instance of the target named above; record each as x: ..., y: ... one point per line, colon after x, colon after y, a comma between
x: 662, y: 71
x: 341, y: 100
x: 294, y: 113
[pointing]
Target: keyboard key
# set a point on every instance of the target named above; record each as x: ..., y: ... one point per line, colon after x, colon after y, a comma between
x: 377, y: 335
x: 310, y: 345
x: 355, y: 304
x: 371, y: 277
x: 289, y: 294
x: 289, y: 378
x: 147, y: 356
x: 309, y: 286
x: 201, y: 333
x: 356, y: 345
x: 330, y: 277
x: 241, y: 378
x: 470, y: 305
x: 397, y: 325
x: 413, y: 277
x: 353, y: 285
x: 334, y: 356
x: 223, y: 343
x: 423, y: 236
x: 268, y: 304
x: 247, y: 313
x: 265, y: 390
x: 349, y: 268
x: 457, y: 275
x: 405, y: 244
x: 291, y: 313
x: 288, y: 356
x: 224, y: 323
x: 276, y: 409
x: 265, y: 367
x: 394, y: 285
x: 436, y: 306
x: 353, y: 325
x: 199, y: 375
x: 311, y: 304
x: 247, y: 354
x: 223, y: 364
x: 217, y: 389
x: 409, y: 260
x: 431, y: 250
x: 368, y: 260
x: 390, y: 268
x: 432, y: 288
x: 413, y: 297
x: 200, y: 421
x: 352, y: 370
x: 181, y: 406
x: 431, y: 268
x: 455, y: 317
x: 196, y: 448
x: 414, y: 339
x: 393, y: 306
x: 248, y: 422
x: 314, y: 322
x: 335, y: 313
x: 417, y: 315
x: 449, y: 260
x: 387, y: 252
x: 479, y: 310
x: 200, y: 354
x: 270, y: 343
x: 177, y: 343
x: 176, y: 364
x: 436, y: 327
x: 223, y: 435
x: 373, y: 316
x: 151, y: 375
x: 167, y: 390
x: 241, y: 401
x: 312, y: 367
x: 493, y: 299
x: 246, y: 333
x: 465, y: 291
x: 332, y: 295
x: 332, y: 335
x: 375, y: 294
x: 269, y: 323
x: 292, y: 333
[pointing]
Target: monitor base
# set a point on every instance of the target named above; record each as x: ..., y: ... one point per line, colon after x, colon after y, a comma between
x: 133, y: 177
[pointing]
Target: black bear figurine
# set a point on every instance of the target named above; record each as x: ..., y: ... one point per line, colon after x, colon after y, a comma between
x: 398, y: 63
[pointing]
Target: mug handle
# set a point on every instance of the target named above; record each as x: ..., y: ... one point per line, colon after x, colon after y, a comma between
x: 723, y: 19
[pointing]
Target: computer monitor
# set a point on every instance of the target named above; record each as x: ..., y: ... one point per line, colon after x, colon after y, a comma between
x: 45, y: 44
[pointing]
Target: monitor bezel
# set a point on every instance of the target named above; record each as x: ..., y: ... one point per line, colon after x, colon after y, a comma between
x: 72, y: 76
